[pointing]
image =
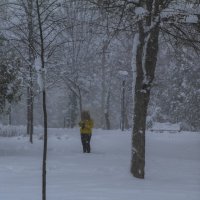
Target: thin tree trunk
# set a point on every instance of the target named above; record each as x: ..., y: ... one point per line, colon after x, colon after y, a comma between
x: 30, y: 101
x: 144, y: 79
x: 42, y: 52
x: 123, y: 106
x: 103, y: 85
x: 105, y: 122
x: 106, y: 113
x: 31, y: 116
x: 80, y: 100
x: 28, y: 110
x: 44, y: 148
x: 10, y: 115
x: 30, y: 98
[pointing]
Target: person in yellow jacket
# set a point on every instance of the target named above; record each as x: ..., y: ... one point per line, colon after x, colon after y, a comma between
x: 86, y: 125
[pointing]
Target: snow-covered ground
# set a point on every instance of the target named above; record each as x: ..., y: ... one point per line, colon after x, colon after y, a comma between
x: 172, y: 167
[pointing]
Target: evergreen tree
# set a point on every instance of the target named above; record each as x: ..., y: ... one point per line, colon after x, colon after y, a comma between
x: 10, y: 81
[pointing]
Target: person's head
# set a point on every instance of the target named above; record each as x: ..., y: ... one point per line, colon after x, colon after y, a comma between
x: 85, y: 115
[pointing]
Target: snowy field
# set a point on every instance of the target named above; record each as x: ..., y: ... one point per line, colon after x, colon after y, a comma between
x: 172, y: 167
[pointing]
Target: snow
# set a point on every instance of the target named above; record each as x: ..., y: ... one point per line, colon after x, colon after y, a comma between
x: 123, y: 73
x: 172, y: 167
x: 136, y: 43
x: 40, y: 73
x: 140, y: 11
x: 191, y: 19
x: 186, y: 13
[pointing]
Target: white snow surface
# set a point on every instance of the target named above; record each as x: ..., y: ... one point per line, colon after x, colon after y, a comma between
x: 172, y: 167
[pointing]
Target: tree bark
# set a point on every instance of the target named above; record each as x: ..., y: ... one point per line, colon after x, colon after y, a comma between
x: 44, y: 148
x: 123, y: 106
x: 104, y: 115
x: 30, y: 98
x: 107, y: 111
x: 42, y: 56
x: 80, y: 100
x: 144, y: 77
x: 30, y: 113
x: 103, y: 86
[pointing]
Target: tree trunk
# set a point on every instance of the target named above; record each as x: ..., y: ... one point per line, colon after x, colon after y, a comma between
x: 42, y: 56
x: 107, y: 110
x: 28, y: 110
x: 44, y: 148
x: 30, y: 101
x: 30, y: 98
x: 103, y: 83
x: 80, y: 101
x: 146, y: 59
x: 31, y: 115
x: 10, y: 115
x: 103, y: 87
x: 123, y: 106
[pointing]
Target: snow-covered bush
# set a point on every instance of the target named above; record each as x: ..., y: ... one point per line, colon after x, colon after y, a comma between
x: 11, y: 131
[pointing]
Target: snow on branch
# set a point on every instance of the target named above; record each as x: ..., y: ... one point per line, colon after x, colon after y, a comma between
x: 181, y: 13
x: 136, y: 43
x: 141, y: 12
x: 40, y: 73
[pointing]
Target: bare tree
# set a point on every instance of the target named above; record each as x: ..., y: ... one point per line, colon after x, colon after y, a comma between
x: 42, y: 57
x: 47, y: 22
x: 31, y: 55
x: 146, y: 20
x: 79, y: 48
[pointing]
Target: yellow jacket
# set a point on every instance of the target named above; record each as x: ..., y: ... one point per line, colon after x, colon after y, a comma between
x: 86, y: 126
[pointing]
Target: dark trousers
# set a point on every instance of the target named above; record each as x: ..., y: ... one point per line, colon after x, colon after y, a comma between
x: 85, y: 139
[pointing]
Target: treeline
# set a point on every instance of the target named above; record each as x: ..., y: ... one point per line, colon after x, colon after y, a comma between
x: 85, y: 55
